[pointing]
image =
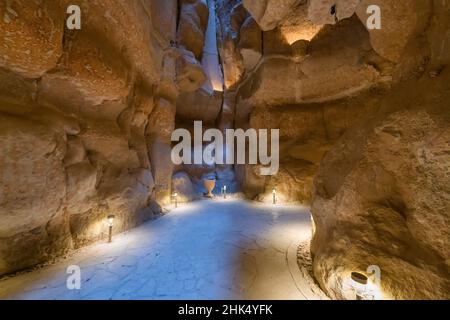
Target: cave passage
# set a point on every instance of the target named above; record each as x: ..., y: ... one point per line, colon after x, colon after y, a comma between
x: 350, y: 98
x: 212, y: 249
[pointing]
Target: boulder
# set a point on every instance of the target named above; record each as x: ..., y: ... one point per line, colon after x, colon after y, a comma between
x: 381, y: 197
x: 401, y: 20
x: 322, y: 12
x: 192, y: 26
x: 190, y: 73
x: 269, y: 13
x: 199, y: 105
x: 182, y: 185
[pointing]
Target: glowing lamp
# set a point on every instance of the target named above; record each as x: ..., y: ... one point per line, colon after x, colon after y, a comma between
x: 111, y: 224
x: 359, y: 283
x: 224, y: 192
x: 175, y: 198
x: 274, y: 194
x: 111, y: 220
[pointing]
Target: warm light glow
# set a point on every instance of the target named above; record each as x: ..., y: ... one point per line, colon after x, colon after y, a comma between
x: 359, y: 284
x: 363, y: 286
x: 280, y: 197
x: 217, y: 86
x: 111, y: 223
x: 111, y: 220
x: 313, y: 226
x: 293, y: 34
x: 175, y: 197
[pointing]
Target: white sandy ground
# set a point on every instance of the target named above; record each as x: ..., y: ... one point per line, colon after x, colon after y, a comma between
x: 212, y: 249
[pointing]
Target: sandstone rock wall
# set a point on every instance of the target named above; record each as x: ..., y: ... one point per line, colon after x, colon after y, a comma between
x: 83, y: 114
x: 307, y: 86
x: 364, y: 121
x: 381, y: 195
x: 86, y: 118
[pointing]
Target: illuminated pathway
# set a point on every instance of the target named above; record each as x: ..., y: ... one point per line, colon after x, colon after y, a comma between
x: 205, y: 250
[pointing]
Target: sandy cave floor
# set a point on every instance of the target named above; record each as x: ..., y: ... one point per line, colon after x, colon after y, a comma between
x: 211, y: 249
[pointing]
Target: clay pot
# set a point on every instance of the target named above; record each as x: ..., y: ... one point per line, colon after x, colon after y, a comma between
x: 209, y: 185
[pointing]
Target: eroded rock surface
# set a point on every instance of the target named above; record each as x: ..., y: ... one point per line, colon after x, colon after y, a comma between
x: 381, y: 194
x: 76, y: 110
x: 308, y: 93
x: 192, y: 25
x: 363, y: 129
x: 86, y: 119
x: 401, y: 21
x: 381, y: 197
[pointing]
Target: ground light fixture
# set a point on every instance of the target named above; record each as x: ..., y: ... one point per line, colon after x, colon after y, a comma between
x: 359, y: 284
x: 224, y: 192
x: 274, y: 195
x: 111, y: 224
x: 175, y: 199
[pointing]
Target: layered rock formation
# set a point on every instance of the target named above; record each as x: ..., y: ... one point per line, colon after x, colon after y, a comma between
x: 209, y: 105
x: 381, y: 196
x: 363, y: 129
x: 310, y: 86
x: 86, y: 118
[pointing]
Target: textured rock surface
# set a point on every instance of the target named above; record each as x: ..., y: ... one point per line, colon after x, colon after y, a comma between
x: 304, y: 14
x: 250, y: 43
x: 289, y: 16
x: 200, y: 105
x: 306, y: 134
x: 86, y: 119
x: 190, y: 73
x: 201, y: 97
x: 269, y: 13
x: 401, y: 22
x: 299, y: 19
x: 293, y: 89
x: 330, y: 11
x: 75, y: 110
x: 183, y: 187
x: 283, y: 80
x: 192, y: 25
x: 381, y: 195
x: 231, y: 17
x: 362, y: 114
